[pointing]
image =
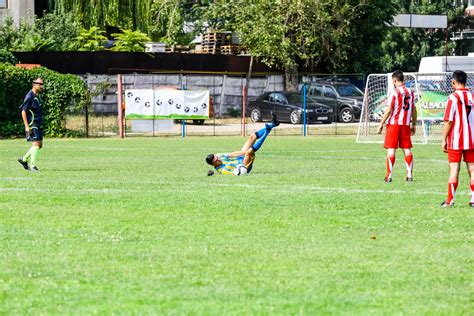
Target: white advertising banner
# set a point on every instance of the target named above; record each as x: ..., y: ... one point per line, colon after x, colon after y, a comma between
x: 166, y: 103
x: 428, y: 21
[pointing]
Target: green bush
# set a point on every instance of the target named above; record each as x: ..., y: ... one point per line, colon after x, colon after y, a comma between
x: 60, y: 92
x: 52, y: 32
x: 130, y: 41
x: 91, y: 40
x: 7, y: 57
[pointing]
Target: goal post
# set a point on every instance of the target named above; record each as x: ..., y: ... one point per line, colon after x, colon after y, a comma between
x: 431, y: 93
x: 376, y: 93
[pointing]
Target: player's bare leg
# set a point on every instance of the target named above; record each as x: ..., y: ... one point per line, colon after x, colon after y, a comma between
x: 408, y: 163
x: 256, y: 141
x: 470, y: 170
x: 38, y: 144
x: 452, y: 183
x: 249, y: 157
x: 250, y: 142
x: 390, y: 163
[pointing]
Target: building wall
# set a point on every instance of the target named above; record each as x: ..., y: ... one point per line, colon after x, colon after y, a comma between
x: 18, y: 9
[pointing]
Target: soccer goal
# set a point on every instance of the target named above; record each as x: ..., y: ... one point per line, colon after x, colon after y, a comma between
x: 431, y: 93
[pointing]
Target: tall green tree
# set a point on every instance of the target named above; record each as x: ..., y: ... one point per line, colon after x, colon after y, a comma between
x: 283, y: 33
x: 52, y: 32
x: 404, y: 47
x: 168, y: 19
x: 58, y: 30
x: 125, y: 14
x: 162, y: 20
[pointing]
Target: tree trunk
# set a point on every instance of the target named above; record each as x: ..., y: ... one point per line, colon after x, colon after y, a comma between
x: 291, y: 78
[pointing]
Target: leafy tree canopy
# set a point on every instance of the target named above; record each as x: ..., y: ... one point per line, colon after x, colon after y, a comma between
x: 52, y: 32
x: 404, y: 47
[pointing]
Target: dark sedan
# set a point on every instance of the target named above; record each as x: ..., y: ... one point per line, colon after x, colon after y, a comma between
x: 288, y: 106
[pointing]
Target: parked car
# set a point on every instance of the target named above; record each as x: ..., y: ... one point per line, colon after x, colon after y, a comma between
x: 344, y: 98
x: 288, y: 106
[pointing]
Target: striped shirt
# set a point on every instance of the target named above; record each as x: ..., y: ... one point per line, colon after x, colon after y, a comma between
x: 401, y: 101
x: 458, y: 111
x: 229, y: 163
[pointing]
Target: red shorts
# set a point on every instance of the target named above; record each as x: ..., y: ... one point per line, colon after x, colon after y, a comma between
x: 455, y: 155
x: 398, y: 136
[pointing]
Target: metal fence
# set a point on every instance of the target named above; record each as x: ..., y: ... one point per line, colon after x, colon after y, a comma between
x: 99, y: 119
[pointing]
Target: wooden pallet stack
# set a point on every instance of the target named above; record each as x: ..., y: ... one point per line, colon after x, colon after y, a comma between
x: 177, y: 49
x: 232, y: 49
x: 213, y: 41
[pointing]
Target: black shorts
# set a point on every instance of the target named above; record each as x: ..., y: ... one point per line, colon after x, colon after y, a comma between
x: 36, y: 134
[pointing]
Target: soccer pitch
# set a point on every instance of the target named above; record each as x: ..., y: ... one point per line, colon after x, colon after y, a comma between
x: 135, y: 226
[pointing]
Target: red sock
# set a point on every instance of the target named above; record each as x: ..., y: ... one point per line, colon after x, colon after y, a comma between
x: 409, y: 163
x: 452, y: 186
x: 390, y: 163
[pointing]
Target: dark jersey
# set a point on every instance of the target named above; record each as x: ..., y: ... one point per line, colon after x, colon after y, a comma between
x: 32, y: 106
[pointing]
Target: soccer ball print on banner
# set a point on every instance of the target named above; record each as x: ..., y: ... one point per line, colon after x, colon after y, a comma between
x: 155, y: 104
x: 139, y: 104
x: 166, y: 100
x: 196, y: 104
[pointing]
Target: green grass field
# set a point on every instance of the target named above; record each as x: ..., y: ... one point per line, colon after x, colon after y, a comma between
x: 135, y: 226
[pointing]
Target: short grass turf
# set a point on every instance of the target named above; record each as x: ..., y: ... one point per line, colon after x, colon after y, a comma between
x: 135, y: 226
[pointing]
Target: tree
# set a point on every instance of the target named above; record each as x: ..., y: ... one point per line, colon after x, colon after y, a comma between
x: 351, y: 33
x: 284, y: 32
x: 404, y: 47
x: 91, y: 40
x: 52, y: 32
x: 58, y: 30
x: 7, y: 57
x: 130, y: 41
x: 168, y: 18
x: 126, y: 14
x: 162, y: 20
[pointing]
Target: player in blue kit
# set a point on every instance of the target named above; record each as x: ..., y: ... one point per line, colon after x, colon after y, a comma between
x: 226, y: 163
x: 32, y: 116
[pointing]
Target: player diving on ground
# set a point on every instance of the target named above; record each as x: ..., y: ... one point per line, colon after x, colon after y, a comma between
x: 241, y: 162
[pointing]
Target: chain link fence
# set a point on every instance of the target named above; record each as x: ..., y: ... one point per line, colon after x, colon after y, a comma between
x: 100, y: 117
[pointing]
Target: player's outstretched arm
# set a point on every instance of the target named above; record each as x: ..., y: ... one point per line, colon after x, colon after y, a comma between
x: 414, y: 117
x: 25, y: 121
x: 446, y: 129
x: 237, y: 153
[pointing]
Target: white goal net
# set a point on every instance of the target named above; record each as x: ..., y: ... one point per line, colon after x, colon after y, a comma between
x: 431, y: 93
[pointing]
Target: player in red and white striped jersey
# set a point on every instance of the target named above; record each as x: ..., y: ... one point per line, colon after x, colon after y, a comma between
x: 458, y: 135
x: 400, y: 115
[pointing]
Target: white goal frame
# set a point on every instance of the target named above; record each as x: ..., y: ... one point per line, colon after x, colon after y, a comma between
x: 431, y: 93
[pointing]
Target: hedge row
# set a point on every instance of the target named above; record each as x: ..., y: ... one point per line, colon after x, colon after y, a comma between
x: 7, y: 57
x: 60, y: 92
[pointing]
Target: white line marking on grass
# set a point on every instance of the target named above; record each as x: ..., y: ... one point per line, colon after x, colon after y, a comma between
x: 329, y: 190
x: 74, y: 190
x: 235, y: 185
x: 273, y: 188
x: 381, y: 158
x: 238, y: 185
x: 342, y: 151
